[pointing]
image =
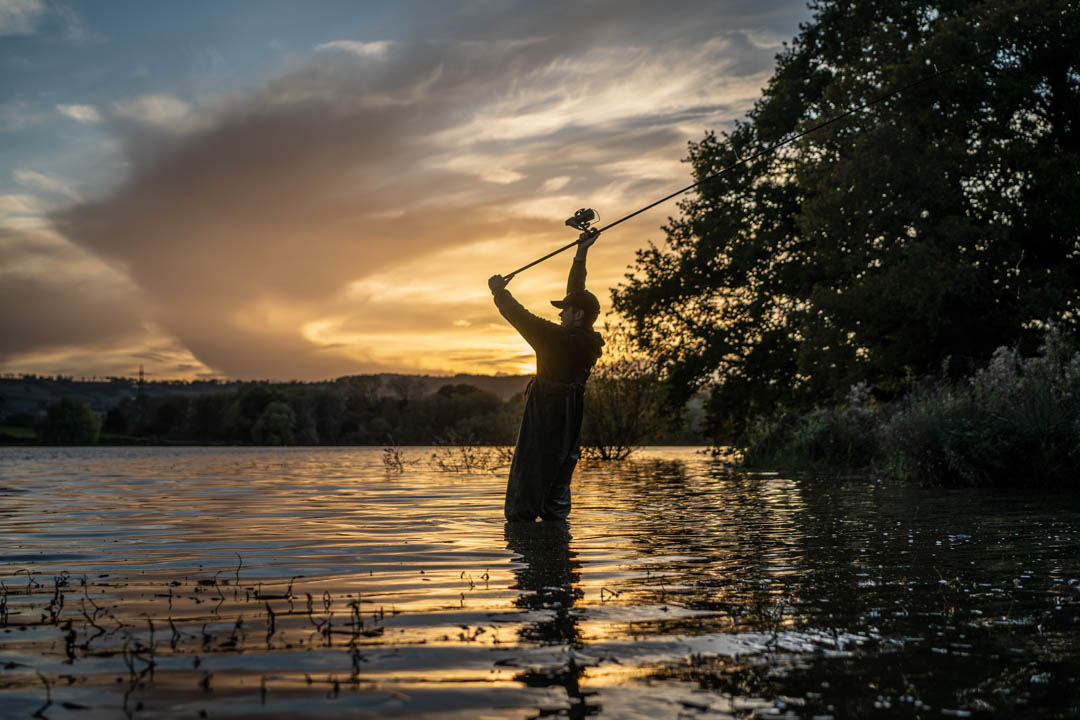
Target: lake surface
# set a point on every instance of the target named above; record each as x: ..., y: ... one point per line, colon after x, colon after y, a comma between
x: 164, y: 582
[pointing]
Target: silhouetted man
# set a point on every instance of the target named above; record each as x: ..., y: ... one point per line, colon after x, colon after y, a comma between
x: 549, y: 439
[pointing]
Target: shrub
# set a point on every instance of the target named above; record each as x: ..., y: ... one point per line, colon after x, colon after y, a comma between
x: 846, y: 436
x: 1017, y: 422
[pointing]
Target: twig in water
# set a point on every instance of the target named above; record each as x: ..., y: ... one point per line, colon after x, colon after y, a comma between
x: 29, y: 580
x: 270, y: 625
x: 175, y: 634
x: 40, y: 712
x: 611, y: 593
x: 90, y: 621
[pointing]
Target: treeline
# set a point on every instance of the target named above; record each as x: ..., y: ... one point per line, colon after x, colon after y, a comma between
x: 349, y: 411
x: 624, y: 410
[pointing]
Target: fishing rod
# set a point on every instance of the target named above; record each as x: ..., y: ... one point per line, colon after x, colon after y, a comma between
x: 583, y: 218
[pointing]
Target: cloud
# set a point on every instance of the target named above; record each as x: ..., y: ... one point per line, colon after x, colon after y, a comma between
x: 18, y: 115
x: 29, y: 17
x: 20, y: 17
x: 55, y: 295
x: 161, y: 110
x: 377, y: 49
x: 81, y: 113
x: 74, y: 28
x: 344, y: 215
x: 11, y: 205
x: 47, y: 183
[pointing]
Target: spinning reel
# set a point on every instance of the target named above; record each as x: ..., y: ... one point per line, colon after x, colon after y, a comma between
x: 582, y: 219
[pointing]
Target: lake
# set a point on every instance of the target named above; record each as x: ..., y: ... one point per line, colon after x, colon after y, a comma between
x: 242, y: 582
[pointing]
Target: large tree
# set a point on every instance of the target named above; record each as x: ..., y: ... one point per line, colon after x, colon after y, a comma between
x: 928, y: 229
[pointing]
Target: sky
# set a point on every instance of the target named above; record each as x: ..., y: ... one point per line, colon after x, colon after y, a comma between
x: 295, y: 190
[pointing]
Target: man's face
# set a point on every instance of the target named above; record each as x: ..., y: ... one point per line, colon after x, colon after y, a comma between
x: 571, y: 316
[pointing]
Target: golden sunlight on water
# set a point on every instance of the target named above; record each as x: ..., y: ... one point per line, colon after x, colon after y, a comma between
x: 166, y: 582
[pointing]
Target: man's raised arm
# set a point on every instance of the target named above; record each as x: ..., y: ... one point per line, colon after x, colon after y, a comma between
x: 576, y: 281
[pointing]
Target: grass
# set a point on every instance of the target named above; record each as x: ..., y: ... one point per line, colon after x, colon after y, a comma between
x: 18, y: 432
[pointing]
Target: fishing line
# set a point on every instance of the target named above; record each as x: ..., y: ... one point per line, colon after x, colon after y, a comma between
x: 743, y: 161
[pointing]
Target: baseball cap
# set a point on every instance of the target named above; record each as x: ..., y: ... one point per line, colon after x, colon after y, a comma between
x: 582, y: 300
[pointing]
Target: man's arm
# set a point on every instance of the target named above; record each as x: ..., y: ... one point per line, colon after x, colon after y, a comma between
x: 536, y: 330
x: 576, y: 281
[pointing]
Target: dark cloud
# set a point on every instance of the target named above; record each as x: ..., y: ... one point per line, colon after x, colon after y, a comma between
x: 350, y: 165
x: 48, y: 302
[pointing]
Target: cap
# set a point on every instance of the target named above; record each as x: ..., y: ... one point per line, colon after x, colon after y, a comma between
x: 582, y: 300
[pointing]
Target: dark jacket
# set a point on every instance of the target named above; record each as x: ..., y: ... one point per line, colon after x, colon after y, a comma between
x: 564, y: 355
x: 548, y: 442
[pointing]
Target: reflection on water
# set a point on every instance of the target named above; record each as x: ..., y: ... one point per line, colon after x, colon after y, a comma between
x: 164, y: 582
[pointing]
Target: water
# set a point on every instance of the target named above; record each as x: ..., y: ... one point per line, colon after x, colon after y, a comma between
x: 271, y: 583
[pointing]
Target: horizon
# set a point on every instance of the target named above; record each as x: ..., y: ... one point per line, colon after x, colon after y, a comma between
x: 262, y: 191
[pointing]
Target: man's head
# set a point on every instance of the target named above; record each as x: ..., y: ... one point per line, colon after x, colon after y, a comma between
x: 578, y: 309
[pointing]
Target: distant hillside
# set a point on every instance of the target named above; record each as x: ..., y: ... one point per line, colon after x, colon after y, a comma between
x: 505, y: 386
x: 29, y: 395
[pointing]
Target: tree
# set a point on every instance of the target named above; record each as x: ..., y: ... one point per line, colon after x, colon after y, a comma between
x: 68, y: 422
x: 624, y: 401
x: 276, y: 425
x: 934, y: 226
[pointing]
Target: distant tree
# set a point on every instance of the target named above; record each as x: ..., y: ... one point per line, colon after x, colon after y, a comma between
x: 68, y: 422
x: 249, y: 403
x: 329, y: 413
x: 120, y: 419
x: 302, y: 401
x: 939, y: 224
x: 207, y: 417
x: 625, y: 404
x: 276, y: 425
x: 406, y: 388
x: 166, y: 416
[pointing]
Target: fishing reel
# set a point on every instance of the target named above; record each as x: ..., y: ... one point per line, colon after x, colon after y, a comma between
x: 582, y: 219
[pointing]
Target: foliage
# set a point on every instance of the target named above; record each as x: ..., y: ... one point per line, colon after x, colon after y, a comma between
x: 939, y: 223
x: 276, y: 425
x: 464, y: 457
x: 356, y: 410
x: 843, y: 436
x: 1015, y: 422
x: 68, y: 422
x: 624, y: 402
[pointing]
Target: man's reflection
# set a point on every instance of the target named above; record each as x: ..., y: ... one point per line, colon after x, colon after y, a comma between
x: 547, y: 581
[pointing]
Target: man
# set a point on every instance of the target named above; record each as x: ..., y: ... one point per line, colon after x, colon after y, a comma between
x: 548, y: 442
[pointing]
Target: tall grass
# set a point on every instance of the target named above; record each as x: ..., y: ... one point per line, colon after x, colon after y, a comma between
x: 1015, y: 423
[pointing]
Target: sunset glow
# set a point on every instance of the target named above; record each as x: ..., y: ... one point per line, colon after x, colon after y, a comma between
x: 255, y: 191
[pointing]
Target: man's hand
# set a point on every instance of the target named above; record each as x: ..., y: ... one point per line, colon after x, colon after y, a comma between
x: 585, y: 241
x: 496, y: 283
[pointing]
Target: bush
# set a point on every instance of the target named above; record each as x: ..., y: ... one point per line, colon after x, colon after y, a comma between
x: 844, y: 437
x: 1016, y: 422
x: 624, y: 408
